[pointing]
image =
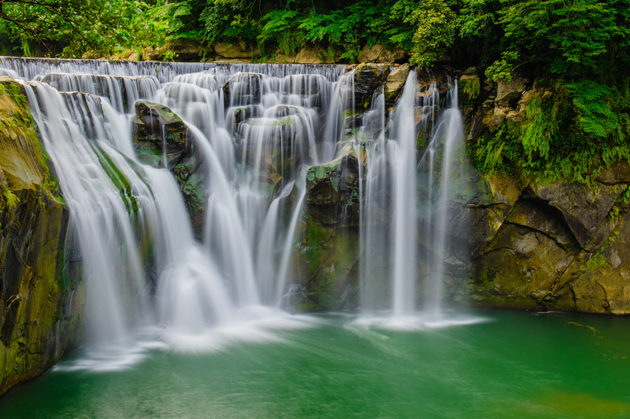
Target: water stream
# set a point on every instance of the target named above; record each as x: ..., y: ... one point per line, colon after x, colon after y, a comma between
x: 256, y: 130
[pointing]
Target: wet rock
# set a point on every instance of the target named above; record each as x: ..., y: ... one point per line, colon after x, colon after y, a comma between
x: 395, y: 82
x: 368, y: 78
x: 243, y: 89
x: 160, y: 136
x: 327, y: 263
x: 279, y: 141
x: 437, y: 80
x: 42, y: 304
x: 120, y: 90
x: 91, y: 110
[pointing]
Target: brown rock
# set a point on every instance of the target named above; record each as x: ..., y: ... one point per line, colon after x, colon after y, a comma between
x: 395, y: 82
x: 379, y: 54
x: 584, y: 208
x: 308, y: 56
x: 234, y: 51
x: 510, y: 92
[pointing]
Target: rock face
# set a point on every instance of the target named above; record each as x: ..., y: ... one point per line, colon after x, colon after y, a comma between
x: 367, y: 78
x: 162, y: 139
x: 41, y: 298
x: 234, y: 51
x: 395, y: 82
x: 379, y: 54
x: 307, y: 56
x: 328, y: 254
x: 552, y: 246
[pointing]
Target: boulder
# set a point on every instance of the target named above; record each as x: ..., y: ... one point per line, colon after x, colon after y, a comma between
x: 508, y: 93
x: 160, y: 136
x: 367, y: 78
x: 395, y: 82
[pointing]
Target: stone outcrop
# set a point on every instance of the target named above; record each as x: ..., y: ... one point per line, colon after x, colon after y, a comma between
x: 162, y: 139
x: 553, y: 246
x: 367, y: 78
x: 379, y: 54
x: 327, y: 262
x: 41, y: 298
x: 234, y: 51
x: 308, y: 56
x: 395, y: 83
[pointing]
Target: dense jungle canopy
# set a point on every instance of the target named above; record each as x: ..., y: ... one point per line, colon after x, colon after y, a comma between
x: 577, y: 49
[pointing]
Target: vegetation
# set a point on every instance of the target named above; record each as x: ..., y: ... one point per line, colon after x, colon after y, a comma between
x: 578, y: 51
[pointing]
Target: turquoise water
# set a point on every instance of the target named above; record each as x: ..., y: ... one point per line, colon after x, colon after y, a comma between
x: 514, y: 365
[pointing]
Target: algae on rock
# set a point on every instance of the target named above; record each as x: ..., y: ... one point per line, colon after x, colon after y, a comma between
x: 41, y: 302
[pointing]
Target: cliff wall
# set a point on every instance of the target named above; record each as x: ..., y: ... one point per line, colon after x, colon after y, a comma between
x: 41, y: 300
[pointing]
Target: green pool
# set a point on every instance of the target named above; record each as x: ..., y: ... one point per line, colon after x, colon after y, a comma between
x: 502, y: 365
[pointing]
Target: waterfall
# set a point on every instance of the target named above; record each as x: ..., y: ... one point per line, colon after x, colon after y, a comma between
x: 448, y: 135
x: 254, y: 130
x: 403, y: 250
x: 401, y: 190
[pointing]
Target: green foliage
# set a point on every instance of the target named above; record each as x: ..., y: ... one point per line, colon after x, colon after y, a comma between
x: 71, y: 28
x: 501, y: 70
x: 471, y: 88
x: 568, y: 129
x: 435, y: 30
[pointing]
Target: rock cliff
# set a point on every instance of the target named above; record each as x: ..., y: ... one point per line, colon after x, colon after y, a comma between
x: 41, y: 296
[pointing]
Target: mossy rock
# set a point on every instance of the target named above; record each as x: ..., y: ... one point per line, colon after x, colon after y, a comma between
x: 42, y: 302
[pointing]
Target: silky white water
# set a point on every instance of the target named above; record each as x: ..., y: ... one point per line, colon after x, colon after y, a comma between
x: 257, y: 129
x: 392, y: 268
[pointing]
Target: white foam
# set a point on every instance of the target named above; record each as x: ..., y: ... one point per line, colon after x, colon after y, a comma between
x: 420, y: 321
x: 254, y: 324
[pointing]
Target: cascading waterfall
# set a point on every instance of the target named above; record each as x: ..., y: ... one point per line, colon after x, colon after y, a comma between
x: 257, y: 128
x: 403, y: 155
x: 449, y: 136
x: 392, y: 269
